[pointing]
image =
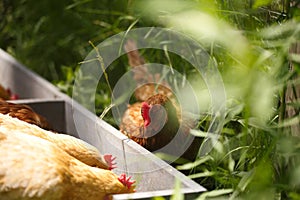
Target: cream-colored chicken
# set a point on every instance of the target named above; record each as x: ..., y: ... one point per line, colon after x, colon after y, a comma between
x: 77, y: 148
x: 35, y: 168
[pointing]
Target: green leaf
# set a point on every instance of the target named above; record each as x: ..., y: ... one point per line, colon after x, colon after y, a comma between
x: 202, y: 174
x: 284, y: 32
x: 192, y: 165
x: 171, y: 158
x: 177, y: 195
x: 231, y: 164
x: 295, y: 176
x: 199, y: 133
x: 158, y: 198
x: 259, y: 3
x: 246, y: 179
x: 288, y: 122
x: 228, y: 131
x: 295, y: 57
x: 209, y: 30
x: 254, y: 122
x: 214, y: 193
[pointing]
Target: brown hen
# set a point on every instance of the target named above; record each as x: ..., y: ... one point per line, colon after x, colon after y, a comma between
x: 24, y: 113
x: 156, y: 121
x: 152, y: 124
x: 5, y: 94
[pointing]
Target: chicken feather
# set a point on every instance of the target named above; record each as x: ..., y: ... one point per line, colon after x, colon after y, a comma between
x: 24, y: 113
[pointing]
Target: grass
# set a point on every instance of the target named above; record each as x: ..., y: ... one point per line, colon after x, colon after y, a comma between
x: 251, y: 42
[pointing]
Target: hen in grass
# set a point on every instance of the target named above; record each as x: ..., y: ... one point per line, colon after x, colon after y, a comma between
x: 156, y: 121
x: 152, y: 123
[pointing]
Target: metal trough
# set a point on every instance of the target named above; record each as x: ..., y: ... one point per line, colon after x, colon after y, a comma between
x: 154, y: 176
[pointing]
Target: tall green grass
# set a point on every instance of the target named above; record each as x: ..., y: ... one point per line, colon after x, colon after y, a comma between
x: 257, y: 152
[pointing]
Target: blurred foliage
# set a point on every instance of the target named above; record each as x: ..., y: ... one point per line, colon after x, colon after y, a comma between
x: 47, y: 35
x: 256, y: 154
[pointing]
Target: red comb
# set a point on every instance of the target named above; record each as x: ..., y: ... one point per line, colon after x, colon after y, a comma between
x: 12, y: 96
x: 110, y: 161
x: 145, y: 113
x: 126, y: 181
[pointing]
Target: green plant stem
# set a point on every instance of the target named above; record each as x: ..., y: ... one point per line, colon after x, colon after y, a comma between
x: 100, y: 60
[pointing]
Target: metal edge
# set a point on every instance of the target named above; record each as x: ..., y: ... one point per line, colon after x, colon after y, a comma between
x: 161, y: 193
x: 34, y: 76
x: 191, y: 183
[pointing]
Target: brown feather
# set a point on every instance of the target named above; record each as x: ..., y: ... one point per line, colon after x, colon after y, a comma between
x: 24, y: 113
x: 4, y: 94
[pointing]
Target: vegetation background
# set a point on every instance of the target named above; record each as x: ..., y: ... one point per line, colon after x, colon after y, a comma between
x: 254, y: 43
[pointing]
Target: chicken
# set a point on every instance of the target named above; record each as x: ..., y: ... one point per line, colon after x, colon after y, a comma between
x: 5, y: 94
x: 21, y: 111
x: 35, y: 168
x: 156, y: 119
x: 77, y: 148
x: 155, y: 114
x: 25, y: 113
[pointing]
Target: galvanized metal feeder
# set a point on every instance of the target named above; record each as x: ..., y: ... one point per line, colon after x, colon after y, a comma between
x: 153, y: 176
